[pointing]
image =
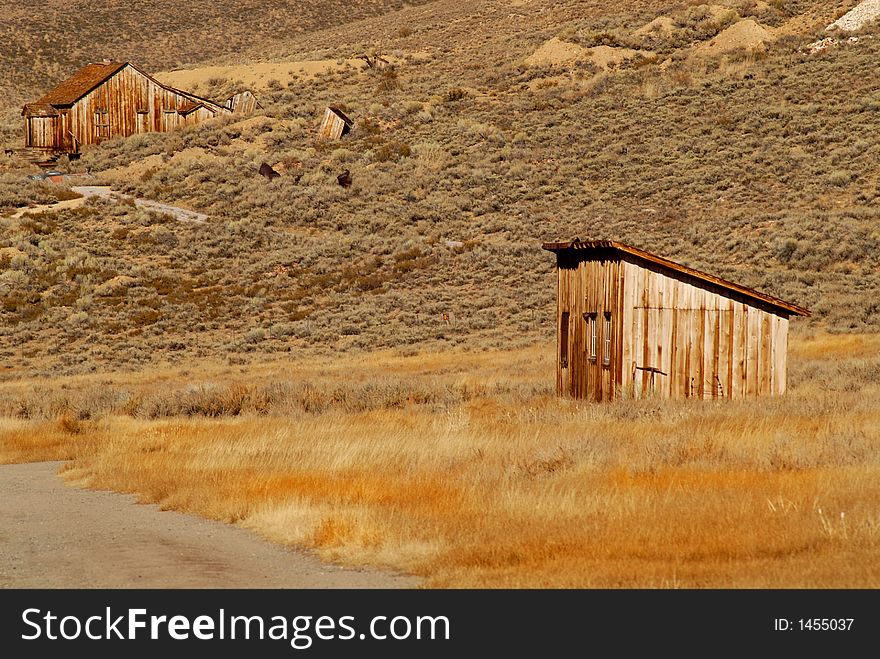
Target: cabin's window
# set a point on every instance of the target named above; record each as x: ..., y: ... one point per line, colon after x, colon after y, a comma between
x: 591, y: 333
x: 606, y: 355
x: 102, y: 124
x: 563, y: 339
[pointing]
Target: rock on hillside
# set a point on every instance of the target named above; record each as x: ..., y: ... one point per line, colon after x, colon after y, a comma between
x: 858, y: 17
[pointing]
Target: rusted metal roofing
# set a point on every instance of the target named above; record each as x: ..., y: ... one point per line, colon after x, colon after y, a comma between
x: 81, y: 83
x: 577, y: 245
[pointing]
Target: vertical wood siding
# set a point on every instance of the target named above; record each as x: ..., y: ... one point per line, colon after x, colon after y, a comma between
x: 587, y: 290
x: 242, y: 103
x: 41, y: 131
x: 126, y: 103
x: 671, y: 336
x: 706, y: 344
x: 332, y: 127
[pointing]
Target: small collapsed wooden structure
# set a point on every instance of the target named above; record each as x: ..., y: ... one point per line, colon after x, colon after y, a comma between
x: 633, y: 323
x: 334, y: 125
x: 113, y: 99
x: 242, y: 102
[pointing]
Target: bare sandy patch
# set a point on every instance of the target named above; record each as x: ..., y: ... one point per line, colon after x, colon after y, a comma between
x: 258, y: 75
x: 662, y: 25
x: 558, y: 53
x: 746, y: 34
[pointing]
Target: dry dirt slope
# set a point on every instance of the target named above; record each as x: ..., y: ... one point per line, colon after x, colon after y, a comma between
x: 43, y: 41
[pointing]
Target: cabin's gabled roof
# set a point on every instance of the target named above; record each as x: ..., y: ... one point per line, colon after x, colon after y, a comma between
x: 81, y: 83
x: 576, y: 245
x: 195, y: 100
x: 91, y: 76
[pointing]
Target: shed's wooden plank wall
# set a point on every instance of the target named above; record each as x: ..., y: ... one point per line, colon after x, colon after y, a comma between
x: 708, y: 345
x: 332, y: 126
x: 242, y: 102
x: 589, y: 287
x: 43, y: 131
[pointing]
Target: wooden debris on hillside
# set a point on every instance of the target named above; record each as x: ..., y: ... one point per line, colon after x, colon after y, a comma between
x: 335, y: 124
x: 243, y: 102
x: 375, y: 61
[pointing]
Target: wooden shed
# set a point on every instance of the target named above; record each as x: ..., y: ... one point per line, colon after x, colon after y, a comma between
x: 243, y: 102
x: 105, y: 100
x: 632, y: 323
x: 334, y: 125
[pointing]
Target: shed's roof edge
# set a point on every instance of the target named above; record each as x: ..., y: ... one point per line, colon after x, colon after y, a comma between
x: 586, y: 245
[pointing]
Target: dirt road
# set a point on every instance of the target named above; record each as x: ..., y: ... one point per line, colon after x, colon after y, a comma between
x: 55, y: 536
x: 105, y: 192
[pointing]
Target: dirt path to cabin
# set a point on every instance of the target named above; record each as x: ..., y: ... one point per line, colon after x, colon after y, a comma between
x: 55, y: 536
x: 105, y: 192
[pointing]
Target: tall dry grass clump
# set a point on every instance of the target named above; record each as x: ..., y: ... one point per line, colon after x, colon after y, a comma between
x: 523, y: 489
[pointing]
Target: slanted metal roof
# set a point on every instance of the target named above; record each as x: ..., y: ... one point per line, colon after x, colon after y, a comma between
x: 189, y: 106
x: 577, y: 245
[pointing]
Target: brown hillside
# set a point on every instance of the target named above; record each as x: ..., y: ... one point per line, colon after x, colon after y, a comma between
x: 44, y: 41
x: 755, y: 166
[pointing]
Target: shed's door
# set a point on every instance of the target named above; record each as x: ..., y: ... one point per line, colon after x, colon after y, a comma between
x: 41, y: 131
x: 599, y: 334
x: 169, y: 120
x: 565, y: 369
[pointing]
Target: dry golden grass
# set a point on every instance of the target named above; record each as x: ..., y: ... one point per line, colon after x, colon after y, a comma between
x: 518, y: 488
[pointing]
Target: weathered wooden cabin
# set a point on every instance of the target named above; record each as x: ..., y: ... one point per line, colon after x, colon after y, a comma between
x: 105, y: 100
x: 635, y: 324
x: 334, y: 125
